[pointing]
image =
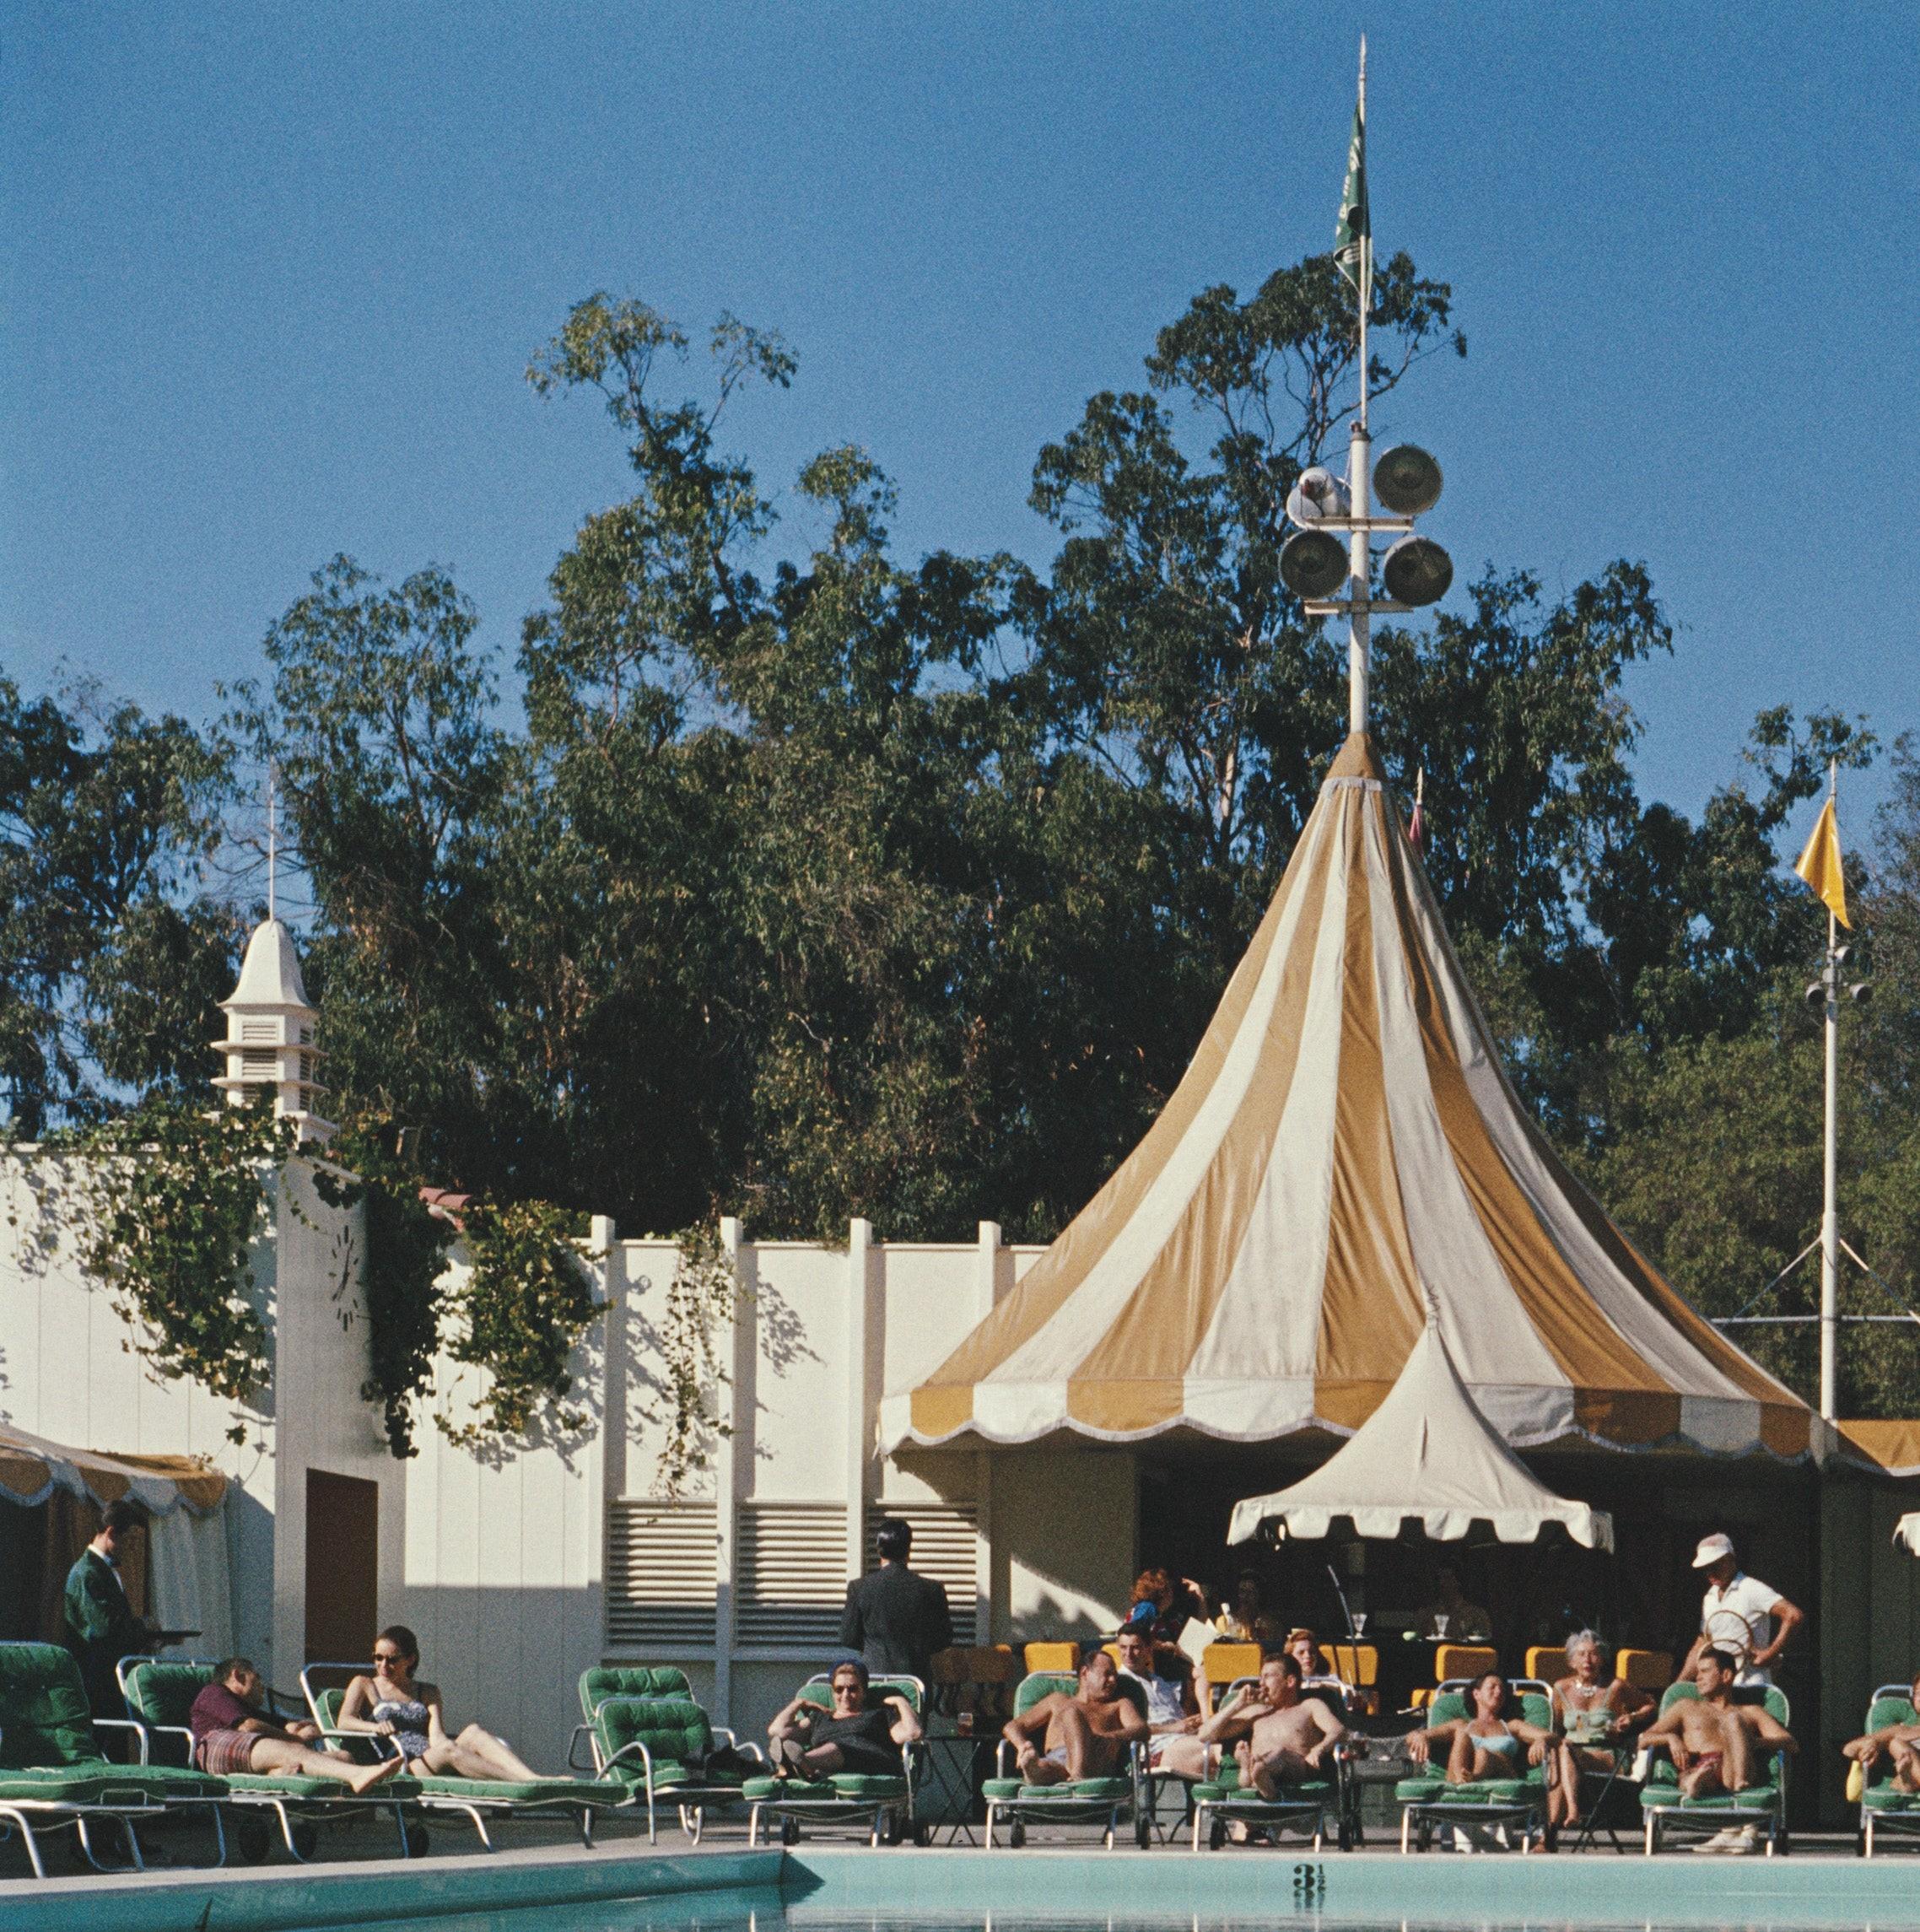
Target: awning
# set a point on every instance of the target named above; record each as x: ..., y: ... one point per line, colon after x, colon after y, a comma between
x: 1892, y: 1446
x: 1907, y: 1530
x: 31, y: 1469
x: 1426, y: 1452
x: 1343, y: 1153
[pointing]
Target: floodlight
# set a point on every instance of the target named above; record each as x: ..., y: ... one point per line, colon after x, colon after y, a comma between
x: 1816, y: 994
x: 1313, y: 564
x: 1861, y: 993
x: 1416, y: 571
x: 1318, y: 493
x: 1841, y: 955
x: 1406, y: 480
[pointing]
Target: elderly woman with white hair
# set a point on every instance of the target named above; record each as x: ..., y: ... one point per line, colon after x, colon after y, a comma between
x: 1596, y: 1711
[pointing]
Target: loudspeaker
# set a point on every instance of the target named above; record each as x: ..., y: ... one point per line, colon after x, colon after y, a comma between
x: 1416, y: 571
x: 1314, y: 564
x: 1406, y: 480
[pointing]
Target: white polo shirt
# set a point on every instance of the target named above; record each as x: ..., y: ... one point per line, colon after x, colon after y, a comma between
x: 1753, y: 1602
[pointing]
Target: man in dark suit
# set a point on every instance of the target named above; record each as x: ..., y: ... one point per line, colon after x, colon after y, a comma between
x: 102, y: 1626
x: 895, y: 1619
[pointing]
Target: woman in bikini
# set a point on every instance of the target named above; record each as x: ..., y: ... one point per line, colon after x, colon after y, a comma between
x: 394, y: 1704
x: 1489, y: 1746
x: 1596, y: 1711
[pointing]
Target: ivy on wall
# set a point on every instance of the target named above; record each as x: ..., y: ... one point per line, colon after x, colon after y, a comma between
x: 702, y: 1296
x: 165, y: 1202
x: 527, y: 1300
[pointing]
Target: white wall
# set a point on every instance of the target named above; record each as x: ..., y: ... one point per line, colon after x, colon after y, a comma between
x: 497, y: 1560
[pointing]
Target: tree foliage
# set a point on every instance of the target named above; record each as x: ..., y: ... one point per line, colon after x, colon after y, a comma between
x: 782, y: 875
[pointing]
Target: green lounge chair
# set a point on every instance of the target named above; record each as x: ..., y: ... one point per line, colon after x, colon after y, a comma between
x: 885, y: 1803
x: 1513, y: 1804
x: 479, y: 1800
x: 658, y: 1747
x: 1221, y: 1801
x: 52, y: 1775
x: 1108, y: 1802
x: 1764, y: 1805
x: 159, y: 1694
x: 601, y: 1682
x: 1882, y: 1808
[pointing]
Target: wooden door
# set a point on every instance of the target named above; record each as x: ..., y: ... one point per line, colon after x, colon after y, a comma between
x: 342, y: 1567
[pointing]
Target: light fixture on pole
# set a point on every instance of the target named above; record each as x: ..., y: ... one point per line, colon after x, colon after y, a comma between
x: 1407, y: 481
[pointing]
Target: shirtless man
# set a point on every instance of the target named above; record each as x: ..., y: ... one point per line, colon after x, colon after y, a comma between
x: 1086, y: 1735
x: 1279, y: 1738
x: 1899, y: 1742
x: 1713, y: 1740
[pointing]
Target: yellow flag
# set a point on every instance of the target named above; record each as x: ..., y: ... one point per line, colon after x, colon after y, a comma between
x: 1820, y: 864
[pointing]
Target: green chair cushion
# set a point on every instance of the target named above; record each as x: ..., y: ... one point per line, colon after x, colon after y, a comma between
x: 674, y: 1729
x: 44, y: 1718
x: 1754, y: 1798
x: 1886, y: 1711
x: 161, y: 1691
x: 1083, y: 1791
x: 92, y: 1782
x: 1885, y: 1798
x: 1037, y: 1684
x: 1486, y: 1791
x: 1229, y: 1796
x: 844, y: 1785
x: 606, y: 1681
x: 571, y: 1791
x: 393, y: 1788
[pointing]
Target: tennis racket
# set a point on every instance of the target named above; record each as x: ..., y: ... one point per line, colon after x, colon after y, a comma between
x: 1728, y: 1630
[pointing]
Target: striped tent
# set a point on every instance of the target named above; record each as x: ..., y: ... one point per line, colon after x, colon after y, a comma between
x: 1344, y: 1151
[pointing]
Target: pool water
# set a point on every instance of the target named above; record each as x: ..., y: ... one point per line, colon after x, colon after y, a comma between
x: 1056, y: 1891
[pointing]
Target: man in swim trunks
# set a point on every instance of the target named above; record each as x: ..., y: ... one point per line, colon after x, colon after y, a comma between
x: 232, y: 1733
x: 1714, y: 1741
x: 1086, y: 1736
x: 1278, y: 1738
x: 861, y: 1734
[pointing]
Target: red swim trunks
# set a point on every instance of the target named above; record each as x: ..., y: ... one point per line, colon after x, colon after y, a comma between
x: 224, y: 1753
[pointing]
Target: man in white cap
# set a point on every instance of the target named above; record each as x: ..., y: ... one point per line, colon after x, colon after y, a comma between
x: 1734, y: 1601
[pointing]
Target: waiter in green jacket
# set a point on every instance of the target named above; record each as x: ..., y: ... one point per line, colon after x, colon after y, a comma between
x: 101, y: 1624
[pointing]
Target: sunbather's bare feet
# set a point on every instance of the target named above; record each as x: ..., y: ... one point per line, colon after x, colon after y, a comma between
x: 367, y: 1776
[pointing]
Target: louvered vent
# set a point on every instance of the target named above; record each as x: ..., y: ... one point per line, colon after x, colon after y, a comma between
x: 792, y: 1567
x: 660, y: 1572
x: 259, y: 1065
x: 259, y: 1030
x: 945, y: 1538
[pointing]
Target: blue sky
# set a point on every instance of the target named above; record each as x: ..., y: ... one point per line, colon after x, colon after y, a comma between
x: 271, y: 276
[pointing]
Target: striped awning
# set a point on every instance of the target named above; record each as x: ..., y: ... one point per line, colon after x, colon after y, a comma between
x: 1344, y: 1152
x: 31, y: 1468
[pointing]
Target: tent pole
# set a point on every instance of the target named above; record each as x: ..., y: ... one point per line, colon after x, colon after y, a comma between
x: 1830, y: 1213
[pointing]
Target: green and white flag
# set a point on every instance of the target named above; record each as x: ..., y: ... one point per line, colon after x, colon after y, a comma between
x: 1353, y: 234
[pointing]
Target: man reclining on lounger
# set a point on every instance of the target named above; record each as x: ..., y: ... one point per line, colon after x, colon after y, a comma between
x: 1173, y: 1707
x: 233, y: 1733
x: 1278, y: 1737
x: 1900, y: 1743
x: 1086, y: 1736
x: 861, y: 1734
x: 1713, y: 1740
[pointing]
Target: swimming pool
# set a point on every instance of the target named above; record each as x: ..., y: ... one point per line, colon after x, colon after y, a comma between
x: 1038, y: 1890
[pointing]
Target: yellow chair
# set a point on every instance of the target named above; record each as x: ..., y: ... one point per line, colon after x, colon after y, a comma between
x: 1452, y: 1660
x: 1064, y: 1655
x: 1224, y: 1661
x: 1355, y: 1664
x: 1645, y: 1669
x: 1547, y: 1662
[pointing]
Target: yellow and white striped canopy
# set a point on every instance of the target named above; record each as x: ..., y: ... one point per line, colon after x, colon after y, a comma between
x: 1344, y: 1152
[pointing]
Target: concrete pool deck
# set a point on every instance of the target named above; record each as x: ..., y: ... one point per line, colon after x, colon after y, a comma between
x: 628, y: 1883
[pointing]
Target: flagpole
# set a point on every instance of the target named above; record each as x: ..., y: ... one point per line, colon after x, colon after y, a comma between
x: 1359, y: 483
x: 1830, y: 1212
